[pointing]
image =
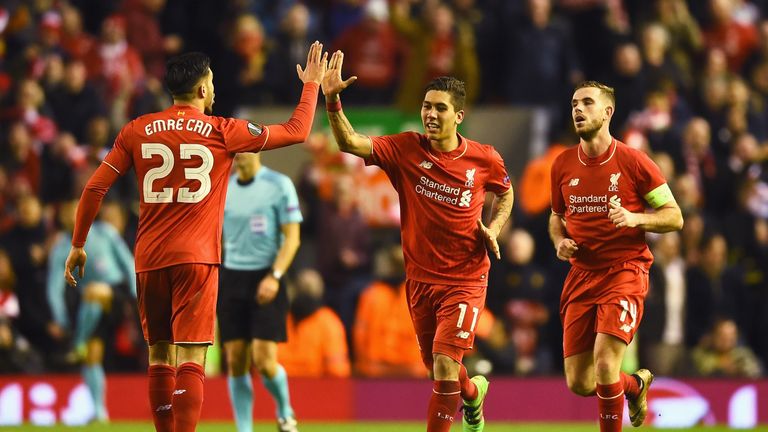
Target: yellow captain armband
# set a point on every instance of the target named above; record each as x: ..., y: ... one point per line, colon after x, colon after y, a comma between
x: 659, y: 196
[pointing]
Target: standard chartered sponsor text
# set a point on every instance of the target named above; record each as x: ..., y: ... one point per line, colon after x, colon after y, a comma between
x: 438, y: 191
x: 590, y: 203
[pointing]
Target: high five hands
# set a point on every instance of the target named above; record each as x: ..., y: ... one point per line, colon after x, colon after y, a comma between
x: 317, y: 64
x: 332, y: 83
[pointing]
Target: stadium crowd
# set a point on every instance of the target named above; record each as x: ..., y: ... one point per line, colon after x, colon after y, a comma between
x: 691, y: 81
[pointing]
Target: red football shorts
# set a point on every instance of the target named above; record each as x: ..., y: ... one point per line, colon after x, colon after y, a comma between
x: 444, y: 317
x: 606, y: 301
x: 177, y: 304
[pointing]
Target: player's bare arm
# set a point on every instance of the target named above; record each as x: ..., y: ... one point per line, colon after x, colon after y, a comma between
x: 75, y: 259
x: 564, y: 247
x: 269, y: 286
x: 317, y: 64
x: 349, y: 141
x: 665, y: 218
x: 500, y: 216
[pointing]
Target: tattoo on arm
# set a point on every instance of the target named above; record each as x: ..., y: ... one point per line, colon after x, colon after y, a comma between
x: 503, y: 210
x: 343, y: 131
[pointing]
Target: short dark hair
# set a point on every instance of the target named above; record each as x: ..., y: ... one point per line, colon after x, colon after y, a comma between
x: 605, y: 90
x: 452, y: 86
x: 183, y: 72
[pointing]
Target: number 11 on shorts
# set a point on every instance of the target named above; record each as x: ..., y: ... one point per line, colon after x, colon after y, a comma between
x: 462, y: 314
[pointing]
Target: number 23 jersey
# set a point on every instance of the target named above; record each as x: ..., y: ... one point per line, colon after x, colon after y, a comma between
x: 182, y: 160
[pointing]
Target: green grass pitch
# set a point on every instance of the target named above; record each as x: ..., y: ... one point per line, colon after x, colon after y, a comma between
x: 365, y: 427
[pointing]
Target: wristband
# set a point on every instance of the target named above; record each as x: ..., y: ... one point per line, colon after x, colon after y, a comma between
x: 333, y: 106
x: 277, y: 274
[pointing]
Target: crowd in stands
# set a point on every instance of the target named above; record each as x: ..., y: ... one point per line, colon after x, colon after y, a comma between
x: 691, y: 80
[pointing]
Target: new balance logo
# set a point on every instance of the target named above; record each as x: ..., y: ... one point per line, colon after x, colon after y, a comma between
x: 162, y: 408
x: 466, y: 197
x: 574, y: 182
x: 426, y: 164
x: 462, y: 334
x: 178, y: 392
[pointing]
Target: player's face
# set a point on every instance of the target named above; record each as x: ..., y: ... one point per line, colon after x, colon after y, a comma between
x: 209, y: 93
x: 438, y: 115
x: 590, y: 111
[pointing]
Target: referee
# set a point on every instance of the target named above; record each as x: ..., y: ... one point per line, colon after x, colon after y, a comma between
x: 261, y: 237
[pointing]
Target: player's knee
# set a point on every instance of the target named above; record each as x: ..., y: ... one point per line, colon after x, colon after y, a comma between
x: 98, y: 292
x: 445, y: 368
x: 604, y: 369
x: 581, y: 387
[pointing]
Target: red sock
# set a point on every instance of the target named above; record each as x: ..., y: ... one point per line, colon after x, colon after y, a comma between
x: 631, y: 386
x: 610, y: 403
x: 468, y: 388
x: 162, y: 381
x: 442, y: 406
x: 188, y: 396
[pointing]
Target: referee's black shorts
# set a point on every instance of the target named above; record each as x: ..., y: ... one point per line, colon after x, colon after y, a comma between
x: 241, y: 316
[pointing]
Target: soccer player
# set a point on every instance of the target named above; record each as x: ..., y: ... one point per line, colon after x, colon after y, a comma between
x: 600, y: 189
x: 113, y: 267
x: 182, y: 157
x: 441, y: 179
x: 261, y: 237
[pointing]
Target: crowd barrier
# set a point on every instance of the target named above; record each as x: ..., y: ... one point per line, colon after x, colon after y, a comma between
x: 51, y: 399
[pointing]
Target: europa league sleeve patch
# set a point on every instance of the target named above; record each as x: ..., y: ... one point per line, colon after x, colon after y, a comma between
x: 255, y: 129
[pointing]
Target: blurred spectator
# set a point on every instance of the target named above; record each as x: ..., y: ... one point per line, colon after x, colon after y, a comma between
x: 75, y: 102
x: 712, y: 289
x: 59, y: 163
x: 662, y: 342
x: 519, y: 295
x: 241, y: 79
x: 385, y: 344
x: 541, y: 51
x: 22, y: 161
x: 31, y: 110
x: 16, y: 356
x: 370, y: 53
x: 628, y: 80
x: 685, y: 38
x: 437, y: 47
x: 76, y: 42
x: 720, y: 354
x: 25, y: 244
x: 735, y: 38
x: 658, y: 66
x: 317, y: 345
x: 342, y: 250
x: 113, y: 64
x: 289, y: 48
x: 143, y: 32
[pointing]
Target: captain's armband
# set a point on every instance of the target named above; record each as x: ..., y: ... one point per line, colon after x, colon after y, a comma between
x: 659, y: 196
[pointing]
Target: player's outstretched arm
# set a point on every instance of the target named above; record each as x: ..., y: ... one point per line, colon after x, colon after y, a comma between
x: 297, y: 128
x: 500, y: 216
x: 564, y: 246
x: 349, y: 141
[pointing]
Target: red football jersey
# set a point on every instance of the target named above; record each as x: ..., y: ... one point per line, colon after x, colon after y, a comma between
x: 441, y: 199
x: 582, y: 189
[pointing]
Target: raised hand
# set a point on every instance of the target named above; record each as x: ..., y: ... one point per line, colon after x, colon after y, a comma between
x: 332, y: 83
x: 76, y: 258
x: 317, y: 64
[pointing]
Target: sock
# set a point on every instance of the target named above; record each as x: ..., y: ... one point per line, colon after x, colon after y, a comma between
x: 468, y: 388
x: 93, y: 375
x: 442, y: 406
x: 162, y: 381
x: 241, y: 395
x: 610, y: 403
x: 278, y: 388
x: 631, y: 385
x: 188, y: 397
x: 88, y: 316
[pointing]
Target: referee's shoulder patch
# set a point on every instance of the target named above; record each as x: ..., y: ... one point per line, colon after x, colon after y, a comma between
x: 255, y: 129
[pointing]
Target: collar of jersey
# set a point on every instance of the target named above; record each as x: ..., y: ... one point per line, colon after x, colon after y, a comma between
x: 451, y: 155
x: 600, y: 159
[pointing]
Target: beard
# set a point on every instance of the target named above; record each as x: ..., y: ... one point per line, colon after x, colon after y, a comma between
x: 589, y: 131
